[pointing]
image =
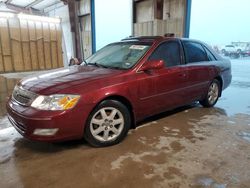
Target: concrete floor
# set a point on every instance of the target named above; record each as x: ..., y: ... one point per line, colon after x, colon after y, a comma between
x: 188, y: 147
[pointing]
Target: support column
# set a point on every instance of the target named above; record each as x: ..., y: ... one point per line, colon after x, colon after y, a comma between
x: 158, y: 9
x: 93, y: 26
x: 75, y: 25
x: 188, y: 18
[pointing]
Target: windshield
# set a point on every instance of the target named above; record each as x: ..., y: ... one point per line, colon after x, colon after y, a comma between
x: 119, y: 55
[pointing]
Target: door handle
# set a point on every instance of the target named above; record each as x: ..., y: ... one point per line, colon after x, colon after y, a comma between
x: 182, y: 75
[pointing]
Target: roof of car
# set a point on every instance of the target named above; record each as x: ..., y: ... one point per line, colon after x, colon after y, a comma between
x: 162, y: 38
x: 143, y: 38
x: 159, y: 39
x: 153, y: 38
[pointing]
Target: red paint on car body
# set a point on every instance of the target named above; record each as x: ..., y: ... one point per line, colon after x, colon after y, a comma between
x: 146, y: 92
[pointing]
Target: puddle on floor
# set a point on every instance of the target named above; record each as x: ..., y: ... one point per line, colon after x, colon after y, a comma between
x: 235, y: 100
x: 244, y: 135
x: 4, y: 122
x: 6, y: 87
x: 8, y: 137
x: 209, y: 182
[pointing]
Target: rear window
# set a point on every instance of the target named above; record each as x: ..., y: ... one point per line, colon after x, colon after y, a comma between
x: 209, y: 54
x: 194, y: 52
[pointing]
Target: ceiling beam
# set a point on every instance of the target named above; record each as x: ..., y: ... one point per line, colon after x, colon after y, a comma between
x: 34, y: 3
x: 39, y: 1
x: 24, y: 10
x: 53, y: 6
x: 73, y: 7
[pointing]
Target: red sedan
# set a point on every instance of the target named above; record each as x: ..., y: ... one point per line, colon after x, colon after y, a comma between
x: 116, y: 87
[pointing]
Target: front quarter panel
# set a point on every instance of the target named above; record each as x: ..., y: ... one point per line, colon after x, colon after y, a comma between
x: 126, y: 89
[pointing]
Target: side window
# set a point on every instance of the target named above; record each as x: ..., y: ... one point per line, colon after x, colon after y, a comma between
x: 169, y: 52
x: 194, y: 52
x: 209, y: 54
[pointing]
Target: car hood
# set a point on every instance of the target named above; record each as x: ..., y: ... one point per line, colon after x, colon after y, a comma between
x: 66, y: 79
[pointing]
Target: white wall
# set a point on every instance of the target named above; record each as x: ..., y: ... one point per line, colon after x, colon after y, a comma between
x: 63, y: 13
x: 113, y: 21
x: 220, y: 22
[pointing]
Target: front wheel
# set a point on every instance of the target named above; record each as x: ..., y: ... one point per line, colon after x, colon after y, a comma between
x: 212, y: 94
x: 108, y: 124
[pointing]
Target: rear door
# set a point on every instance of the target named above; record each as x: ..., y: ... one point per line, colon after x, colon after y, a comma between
x: 198, y: 69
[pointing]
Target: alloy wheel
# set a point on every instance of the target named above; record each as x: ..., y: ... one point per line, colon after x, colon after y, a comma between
x: 107, y: 124
x: 213, y: 93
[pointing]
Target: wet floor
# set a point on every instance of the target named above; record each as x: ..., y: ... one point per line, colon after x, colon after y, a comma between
x: 188, y: 147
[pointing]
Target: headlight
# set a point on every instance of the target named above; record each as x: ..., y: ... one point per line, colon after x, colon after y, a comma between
x: 55, y: 102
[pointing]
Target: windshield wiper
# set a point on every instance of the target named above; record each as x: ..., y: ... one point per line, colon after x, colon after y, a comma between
x: 118, y: 68
x: 105, y: 66
x: 98, y: 65
x: 84, y: 61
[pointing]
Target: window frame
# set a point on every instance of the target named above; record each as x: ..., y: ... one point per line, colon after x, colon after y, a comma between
x: 181, y: 52
x: 185, y: 53
x: 207, y: 50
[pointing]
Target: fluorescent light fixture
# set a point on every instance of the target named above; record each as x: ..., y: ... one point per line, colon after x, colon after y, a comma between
x: 38, y: 18
x: 6, y: 15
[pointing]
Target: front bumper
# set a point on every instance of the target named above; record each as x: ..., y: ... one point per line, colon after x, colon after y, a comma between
x: 69, y: 125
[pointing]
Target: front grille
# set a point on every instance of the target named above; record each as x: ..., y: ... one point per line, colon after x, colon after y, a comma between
x: 22, y: 96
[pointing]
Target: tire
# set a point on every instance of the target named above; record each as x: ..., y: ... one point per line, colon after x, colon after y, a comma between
x: 108, y: 124
x: 212, y: 95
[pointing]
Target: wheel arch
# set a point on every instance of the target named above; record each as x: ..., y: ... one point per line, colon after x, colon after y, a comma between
x: 221, y: 83
x: 124, y: 101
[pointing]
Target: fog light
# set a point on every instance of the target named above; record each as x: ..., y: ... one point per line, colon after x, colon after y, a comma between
x: 45, y: 132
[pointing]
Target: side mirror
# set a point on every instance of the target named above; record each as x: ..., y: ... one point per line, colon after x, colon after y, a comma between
x: 152, y: 65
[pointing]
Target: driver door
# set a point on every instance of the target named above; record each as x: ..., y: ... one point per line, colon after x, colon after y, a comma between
x: 167, y: 85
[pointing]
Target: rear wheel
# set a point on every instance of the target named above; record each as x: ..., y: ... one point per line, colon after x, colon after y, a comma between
x: 108, y: 124
x: 212, y: 94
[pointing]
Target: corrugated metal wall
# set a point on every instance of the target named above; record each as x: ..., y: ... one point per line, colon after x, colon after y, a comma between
x: 160, y: 27
x: 172, y: 22
x: 27, y: 45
